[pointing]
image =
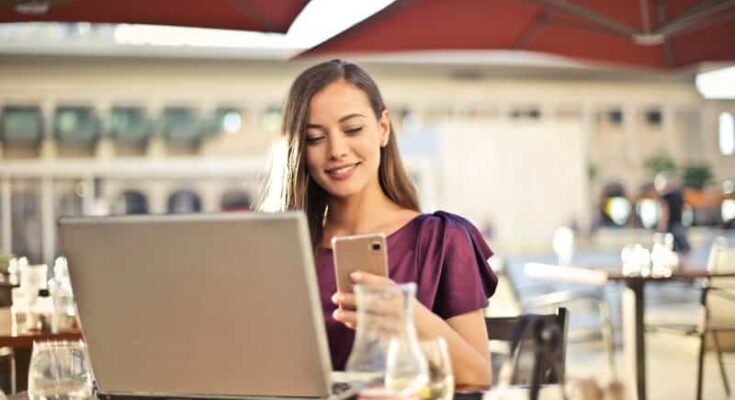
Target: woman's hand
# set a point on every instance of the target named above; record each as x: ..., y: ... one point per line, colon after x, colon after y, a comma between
x: 346, y: 302
x: 388, y: 309
x: 465, y: 334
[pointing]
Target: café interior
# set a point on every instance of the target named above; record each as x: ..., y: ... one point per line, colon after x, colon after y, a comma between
x: 549, y: 146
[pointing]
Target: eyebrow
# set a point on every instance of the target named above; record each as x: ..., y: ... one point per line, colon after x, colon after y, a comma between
x: 345, y: 118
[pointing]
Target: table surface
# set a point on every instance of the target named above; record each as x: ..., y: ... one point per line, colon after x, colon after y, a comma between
x: 25, y: 340
x: 602, y: 275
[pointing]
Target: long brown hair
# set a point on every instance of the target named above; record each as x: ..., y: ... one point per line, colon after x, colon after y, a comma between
x: 298, y: 190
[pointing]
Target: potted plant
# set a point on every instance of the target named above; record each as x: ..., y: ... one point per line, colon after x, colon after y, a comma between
x: 697, y: 176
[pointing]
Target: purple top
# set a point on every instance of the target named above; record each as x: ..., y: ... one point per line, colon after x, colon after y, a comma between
x: 443, y: 253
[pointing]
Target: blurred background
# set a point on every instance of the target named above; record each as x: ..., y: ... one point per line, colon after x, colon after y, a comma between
x: 524, y: 116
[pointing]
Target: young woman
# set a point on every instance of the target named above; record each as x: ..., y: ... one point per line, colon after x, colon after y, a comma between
x: 343, y: 169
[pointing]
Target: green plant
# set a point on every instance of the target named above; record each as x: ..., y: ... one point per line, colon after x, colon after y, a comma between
x: 697, y: 176
x: 660, y: 162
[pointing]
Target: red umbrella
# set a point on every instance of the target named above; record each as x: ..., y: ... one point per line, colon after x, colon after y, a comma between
x: 649, y: 33
x: 251, y: 15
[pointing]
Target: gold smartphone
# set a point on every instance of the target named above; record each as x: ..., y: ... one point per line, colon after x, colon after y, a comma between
x: 367, y: 253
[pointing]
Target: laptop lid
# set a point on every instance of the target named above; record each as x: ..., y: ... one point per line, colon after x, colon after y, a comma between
x: 199, y: 305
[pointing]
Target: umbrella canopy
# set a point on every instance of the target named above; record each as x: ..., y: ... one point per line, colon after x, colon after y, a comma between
x: 648, y: 33
x: 251, y: 15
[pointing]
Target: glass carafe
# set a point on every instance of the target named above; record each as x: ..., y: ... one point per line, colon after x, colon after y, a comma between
x: 386, y: 347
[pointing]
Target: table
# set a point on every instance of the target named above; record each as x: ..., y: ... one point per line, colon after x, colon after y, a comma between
x: 634, y: 345
x: 24, y: 341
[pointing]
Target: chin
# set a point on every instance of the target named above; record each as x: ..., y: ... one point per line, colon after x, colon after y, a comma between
x: 344, y: 190
x: 342, y: 193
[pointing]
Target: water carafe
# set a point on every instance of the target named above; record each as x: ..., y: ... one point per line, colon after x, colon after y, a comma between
x: 386, y: 346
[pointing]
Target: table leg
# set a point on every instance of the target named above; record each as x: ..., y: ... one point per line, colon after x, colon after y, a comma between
x: 634, y: 341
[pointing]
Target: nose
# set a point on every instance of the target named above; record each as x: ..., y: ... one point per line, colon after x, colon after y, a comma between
x: 337, y: 147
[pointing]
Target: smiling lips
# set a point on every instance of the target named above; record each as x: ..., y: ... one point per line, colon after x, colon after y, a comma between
x: 342, y: 172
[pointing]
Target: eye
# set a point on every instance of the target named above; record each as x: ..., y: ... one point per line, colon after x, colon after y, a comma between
x: 353, y: 130
x: 313, y: 139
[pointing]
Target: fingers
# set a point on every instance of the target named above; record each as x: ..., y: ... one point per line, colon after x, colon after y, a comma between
x: 344, y: 300
x: 349, y: 318
x: 365, y: 278
x: 383, y: 312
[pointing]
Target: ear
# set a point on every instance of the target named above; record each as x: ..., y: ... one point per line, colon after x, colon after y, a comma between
x: 384, y: 128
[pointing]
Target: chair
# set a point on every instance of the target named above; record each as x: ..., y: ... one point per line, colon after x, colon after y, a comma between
x: 504, y: 328
x: 9, y: 369
x: 544, y: 298
x: 717, y: 303
x: 717, y: 312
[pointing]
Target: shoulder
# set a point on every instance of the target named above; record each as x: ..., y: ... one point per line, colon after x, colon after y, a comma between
x: 445, y: 224
x: 450, y: 232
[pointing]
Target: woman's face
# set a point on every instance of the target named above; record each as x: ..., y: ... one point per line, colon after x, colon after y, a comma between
x: 343, y: 139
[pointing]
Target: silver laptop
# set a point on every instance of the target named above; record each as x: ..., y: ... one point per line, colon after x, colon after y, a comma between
x: 208, y: 305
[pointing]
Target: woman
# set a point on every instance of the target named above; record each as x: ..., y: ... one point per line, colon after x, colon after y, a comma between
x: 344, y: 171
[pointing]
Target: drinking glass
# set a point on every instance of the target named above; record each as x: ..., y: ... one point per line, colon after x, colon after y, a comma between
x: 441, y: 378
x: 59, y: 371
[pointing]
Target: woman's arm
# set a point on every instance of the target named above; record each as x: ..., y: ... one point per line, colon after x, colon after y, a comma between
x: 466, y: 334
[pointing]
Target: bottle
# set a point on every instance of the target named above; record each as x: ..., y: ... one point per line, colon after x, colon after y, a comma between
x: 13, y: 274
x: 43, y: 309
x: 65, y: 312
x: 19, y: 312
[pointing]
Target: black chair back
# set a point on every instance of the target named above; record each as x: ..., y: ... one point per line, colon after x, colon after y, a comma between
x: 507, y: 328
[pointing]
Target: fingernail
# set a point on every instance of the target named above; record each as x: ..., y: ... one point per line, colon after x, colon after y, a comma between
x: 336, y: 314
x: 356, y: 276
x: 335, y: 298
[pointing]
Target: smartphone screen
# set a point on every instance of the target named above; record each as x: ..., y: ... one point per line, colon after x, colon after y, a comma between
x: 367, y: 253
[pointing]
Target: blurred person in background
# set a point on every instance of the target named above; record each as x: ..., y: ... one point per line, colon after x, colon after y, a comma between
x: 671, y: 199
x: 344, y: 171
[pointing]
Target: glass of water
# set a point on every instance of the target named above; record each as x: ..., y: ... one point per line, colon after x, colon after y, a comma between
x: 441, y: 378
x: 59, y: 371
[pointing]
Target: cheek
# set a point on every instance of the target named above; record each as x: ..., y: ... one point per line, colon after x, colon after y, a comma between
x: 375, y: 153
x: 369, y: 148
x: 312, y: 158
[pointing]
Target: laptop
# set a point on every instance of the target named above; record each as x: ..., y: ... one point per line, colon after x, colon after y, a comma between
x: 199, y: 306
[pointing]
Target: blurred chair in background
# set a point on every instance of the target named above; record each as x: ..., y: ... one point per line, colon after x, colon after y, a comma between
x: 504, y: 329
x: 512, y: 299
x: 718, y: 309
x: 716, y: 313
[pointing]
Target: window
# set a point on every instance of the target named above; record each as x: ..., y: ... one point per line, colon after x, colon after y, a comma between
x: 128, y: 125
x: 180, y: 126
x: 727, y: 211
x: 615, y: 209
x: 132, y: 202
x: 25, y: 209
x: 76, y: 125
x: 236, y: 200
x: 727, y: 134
x: 272, y: 120
x: 22, y: 125
x: 649, y: 212
x: 526, y: 113
x: 184, y: 202
x: 653, y: 117
x: 228, y: 121
x: 615, y: 117
x: 618, y: 210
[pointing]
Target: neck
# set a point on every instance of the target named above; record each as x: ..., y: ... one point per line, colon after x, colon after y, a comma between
x: 358, y: 213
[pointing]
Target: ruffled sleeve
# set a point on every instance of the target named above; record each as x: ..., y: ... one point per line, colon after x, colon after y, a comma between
x: 453, y: 272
